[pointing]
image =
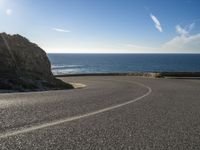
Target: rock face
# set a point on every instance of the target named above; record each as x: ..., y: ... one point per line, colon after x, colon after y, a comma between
x: 24, y: 66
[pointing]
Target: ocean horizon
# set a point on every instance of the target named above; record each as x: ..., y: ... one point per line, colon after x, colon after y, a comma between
x: 123, y: 63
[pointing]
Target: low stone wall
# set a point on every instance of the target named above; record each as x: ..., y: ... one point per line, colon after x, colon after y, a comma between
x: 147, y: 74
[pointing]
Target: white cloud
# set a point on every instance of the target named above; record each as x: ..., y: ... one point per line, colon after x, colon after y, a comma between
x: 184, y: 41
x: 61, y: 30
x: 157, y: 23
x: 191, y: 26
x: 138, y: 47
x: 184, y: 31
x: 181, y: 30
x: 9, y: 12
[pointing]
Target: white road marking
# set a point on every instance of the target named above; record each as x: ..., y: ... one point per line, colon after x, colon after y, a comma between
x: 45, y: 125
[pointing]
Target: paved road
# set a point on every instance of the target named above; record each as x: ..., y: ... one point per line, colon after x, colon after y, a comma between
x: 110, y: 113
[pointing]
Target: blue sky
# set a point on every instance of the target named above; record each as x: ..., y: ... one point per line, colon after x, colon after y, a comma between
x: 105, y: 26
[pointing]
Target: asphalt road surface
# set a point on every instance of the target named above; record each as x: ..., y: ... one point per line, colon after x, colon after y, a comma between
x: 116, y: 112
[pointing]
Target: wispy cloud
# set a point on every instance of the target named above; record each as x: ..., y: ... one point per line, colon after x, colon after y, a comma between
x: 9, y: 12
x: 181, y: 30
x: 61, y: 30
x: 138, y: 47
x: 184, y: 31
x: 183, y: 44
x: 157, y: 23
x: 184, y: 41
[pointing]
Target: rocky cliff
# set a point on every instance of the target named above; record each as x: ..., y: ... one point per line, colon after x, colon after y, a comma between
x: 24, y: 66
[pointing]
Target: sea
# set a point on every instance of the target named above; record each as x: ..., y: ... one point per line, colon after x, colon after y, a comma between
x: 123, y: 63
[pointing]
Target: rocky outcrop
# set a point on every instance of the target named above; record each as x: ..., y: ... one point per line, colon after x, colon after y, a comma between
x: 24, y: 66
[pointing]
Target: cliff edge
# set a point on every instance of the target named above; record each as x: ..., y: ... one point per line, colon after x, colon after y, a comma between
x: 24, y: 66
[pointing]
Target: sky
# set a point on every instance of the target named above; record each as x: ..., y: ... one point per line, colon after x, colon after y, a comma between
x: 105, y: 26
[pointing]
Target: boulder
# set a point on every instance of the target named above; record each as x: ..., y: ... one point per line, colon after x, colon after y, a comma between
x: 24, y: 66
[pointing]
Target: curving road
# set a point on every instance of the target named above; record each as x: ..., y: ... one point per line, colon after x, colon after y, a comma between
x: 115, y: 112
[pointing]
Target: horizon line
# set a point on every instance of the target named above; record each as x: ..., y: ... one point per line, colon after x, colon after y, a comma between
x: 121, y: 53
